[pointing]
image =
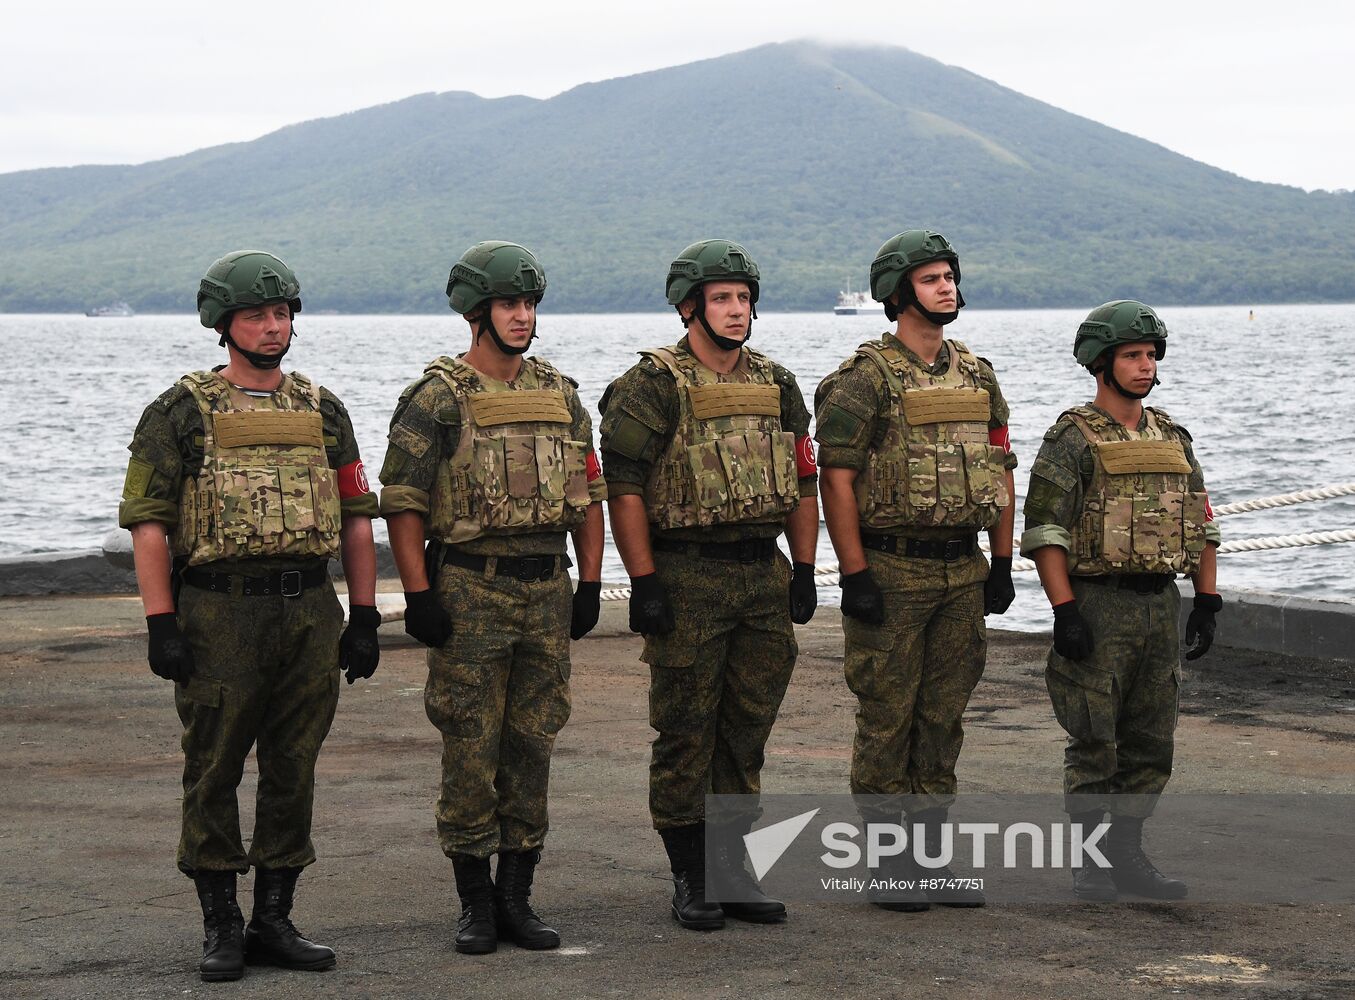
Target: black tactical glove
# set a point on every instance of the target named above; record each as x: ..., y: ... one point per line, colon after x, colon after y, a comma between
x: 650, y: 612
x: 426, y: 619
x: 1072, y: 634
x: 169, y: 653
x: 998, y: 591
x: 862, y: 598
x: 358, y: 649
x: 587, y: 606
x: 1200, y: 625
x: 804, y: 596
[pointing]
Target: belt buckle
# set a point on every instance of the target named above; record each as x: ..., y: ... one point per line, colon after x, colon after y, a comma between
x: 954, y: 549
x: 290, y: 582
x: 530, y: 568
x: 748, y: 551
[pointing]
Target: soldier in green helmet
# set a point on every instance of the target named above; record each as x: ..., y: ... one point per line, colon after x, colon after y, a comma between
x: 1117, y: 509
x: 490, y: 465
x: 708, y: 459
x: 913, y: 440
x: 244, y: 481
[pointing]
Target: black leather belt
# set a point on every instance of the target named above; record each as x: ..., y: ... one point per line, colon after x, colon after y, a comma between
x: 747, y: 550
x: 949, y: 549
x: 525, y: 568
x: 287, y: 583
x: 1139, y: 583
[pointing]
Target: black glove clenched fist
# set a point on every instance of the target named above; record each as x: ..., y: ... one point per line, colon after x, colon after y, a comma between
x: 358, y: 649
x: 862, y: 598
x: 426, y: 619
x: 998, y: 590
x: 1072, y: 634
x: 804, y: 596
x: 587, y: 606
x: 168, y: 651
x: 1200, y: 625
x: 650, y: 611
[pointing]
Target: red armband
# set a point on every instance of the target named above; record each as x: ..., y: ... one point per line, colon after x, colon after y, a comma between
x: 804, y: 456
x: 594, y: 466
x: 353, y: 481
x: 1208, y: 510
x: 1000, y: 437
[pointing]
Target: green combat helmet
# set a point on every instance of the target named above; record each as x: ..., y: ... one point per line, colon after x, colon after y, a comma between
x: 494, y: 269
x: 710, y: 260
x: 706, y: 261
x: 1123, y: 321
x: 901, y: 254
x: 245, y: 278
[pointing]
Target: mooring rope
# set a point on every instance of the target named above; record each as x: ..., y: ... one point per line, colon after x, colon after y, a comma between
x: 392, y: 606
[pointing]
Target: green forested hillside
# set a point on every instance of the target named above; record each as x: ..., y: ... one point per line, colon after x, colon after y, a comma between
x: 809, y: 155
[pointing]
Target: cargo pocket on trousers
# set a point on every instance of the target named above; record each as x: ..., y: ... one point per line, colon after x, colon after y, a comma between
x: 199, y: 704
x: 1084, y: 699
x: 866, y: 657
x: 675, y: 691
x: 454, y: 699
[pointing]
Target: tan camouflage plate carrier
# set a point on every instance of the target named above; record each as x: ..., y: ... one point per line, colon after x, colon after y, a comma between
x: 728, y: 461
x: 265, y: 488
x: 515, y: 466
x: 935, y: 467
x: 1138, y: 514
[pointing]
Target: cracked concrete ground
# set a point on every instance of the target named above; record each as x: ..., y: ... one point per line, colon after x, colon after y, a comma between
x: 89, y: 820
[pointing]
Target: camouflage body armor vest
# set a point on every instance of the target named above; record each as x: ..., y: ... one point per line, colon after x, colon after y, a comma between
x: 729, y: 461
x: 935, y: 467
x: 515, y: 467
x: 265, y: 487
x: 1138, y: 514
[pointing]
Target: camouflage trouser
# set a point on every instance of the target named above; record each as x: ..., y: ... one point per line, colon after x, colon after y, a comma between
x: 716, y: 681
x: 267, y: 673
x: 1118, y: 706
x: 913, y: 675
x: 499, y: 692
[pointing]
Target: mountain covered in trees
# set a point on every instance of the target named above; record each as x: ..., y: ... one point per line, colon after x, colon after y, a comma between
x: 810, y: 155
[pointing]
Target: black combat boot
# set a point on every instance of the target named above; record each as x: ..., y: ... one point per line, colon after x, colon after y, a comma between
x: 734, y: 879
x: 1092, y: 882
x: 223, y: 947
x: 512, y: 907
x: 686, y: 849
x: 1131, y: 870
x: 951, y: 889
x: 893, y: 885
x: 475, y: 931
x: 271, y: 938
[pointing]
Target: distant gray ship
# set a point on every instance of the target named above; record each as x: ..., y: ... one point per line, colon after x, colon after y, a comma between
x: 112, y: 309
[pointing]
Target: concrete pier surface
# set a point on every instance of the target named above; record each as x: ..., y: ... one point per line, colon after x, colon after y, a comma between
x: 90, y: 802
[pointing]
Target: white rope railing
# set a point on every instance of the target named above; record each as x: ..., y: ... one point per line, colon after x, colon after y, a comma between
x: 392, y: 606
x: 1286, y: 499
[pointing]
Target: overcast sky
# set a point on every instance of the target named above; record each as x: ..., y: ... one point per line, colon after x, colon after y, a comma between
x: 1265, y: 90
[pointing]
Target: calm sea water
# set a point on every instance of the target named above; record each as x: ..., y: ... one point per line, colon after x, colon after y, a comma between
x: 1268, y: 401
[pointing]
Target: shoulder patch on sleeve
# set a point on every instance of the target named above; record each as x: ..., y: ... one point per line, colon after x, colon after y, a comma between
x: 409, y: 440
x: 629, y: 436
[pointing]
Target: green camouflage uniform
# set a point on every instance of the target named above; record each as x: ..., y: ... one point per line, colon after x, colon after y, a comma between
x: 717, y: 680
x: 267, y: 668
x: 498, y: 690
x: 913, y: 674
x: 1119, y: 705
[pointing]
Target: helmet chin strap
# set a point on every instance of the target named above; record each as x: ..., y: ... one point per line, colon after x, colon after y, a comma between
x: 1108, y: 377
x: 939, y: 318
x: 724, y: 343
x: 487, y: 326
x: 264, y: 362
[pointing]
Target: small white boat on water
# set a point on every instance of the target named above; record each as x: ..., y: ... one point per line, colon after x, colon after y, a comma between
x: 850, y: 303
x: 111, y: 309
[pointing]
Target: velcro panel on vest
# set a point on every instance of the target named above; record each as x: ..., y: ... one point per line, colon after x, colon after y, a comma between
x: 524, y: 406
x: 244, y: 428
x: 1127, y: 457
x: 946, y: 406
x: 735, y: 400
